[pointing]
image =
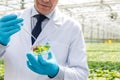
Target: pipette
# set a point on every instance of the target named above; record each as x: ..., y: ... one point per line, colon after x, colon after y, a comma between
x: 29, y: 34
x: 26, y: 30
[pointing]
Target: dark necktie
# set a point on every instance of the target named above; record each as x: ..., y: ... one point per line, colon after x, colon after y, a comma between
x: 37, y: 29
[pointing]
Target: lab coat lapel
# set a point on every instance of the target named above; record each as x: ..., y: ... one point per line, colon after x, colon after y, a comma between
x: 51, y: 27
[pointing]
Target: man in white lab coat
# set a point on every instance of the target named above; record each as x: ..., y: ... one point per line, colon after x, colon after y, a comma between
x: 67, y: 56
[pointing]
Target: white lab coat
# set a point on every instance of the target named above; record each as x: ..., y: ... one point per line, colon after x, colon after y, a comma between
x: 66, y: 40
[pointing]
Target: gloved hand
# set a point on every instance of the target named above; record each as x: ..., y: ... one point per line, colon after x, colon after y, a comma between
x: 9, y: 25
x: 41, y: 66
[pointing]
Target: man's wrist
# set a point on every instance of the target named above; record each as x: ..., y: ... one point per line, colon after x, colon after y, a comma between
x: 55, y: 72
x: 60, y: 74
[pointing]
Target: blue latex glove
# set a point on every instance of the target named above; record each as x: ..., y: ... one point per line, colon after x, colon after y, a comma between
x: 9, y: 25
x: 41, y: 66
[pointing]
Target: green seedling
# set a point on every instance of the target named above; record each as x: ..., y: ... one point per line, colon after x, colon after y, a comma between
x: 41, y: 49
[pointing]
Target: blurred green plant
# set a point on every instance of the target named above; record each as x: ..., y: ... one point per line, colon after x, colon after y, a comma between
x: 104, y: 61
x: 104, y: 70
x: 1, y: 72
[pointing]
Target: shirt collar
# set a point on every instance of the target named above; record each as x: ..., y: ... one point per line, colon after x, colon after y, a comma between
x: 55, y: 15
x: 34, y: 12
